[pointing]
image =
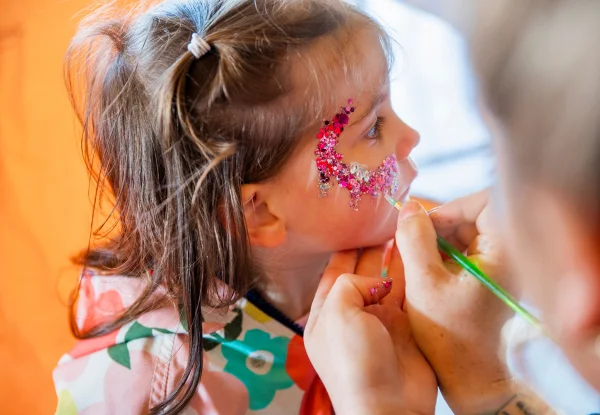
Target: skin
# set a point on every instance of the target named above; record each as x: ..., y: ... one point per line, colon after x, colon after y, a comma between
x: 293, y: 232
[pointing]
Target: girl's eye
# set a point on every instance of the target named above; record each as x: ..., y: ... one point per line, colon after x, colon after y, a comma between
x: 375, y: 132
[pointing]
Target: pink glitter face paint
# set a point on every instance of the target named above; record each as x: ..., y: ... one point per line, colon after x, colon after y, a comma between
x: 357, y: 178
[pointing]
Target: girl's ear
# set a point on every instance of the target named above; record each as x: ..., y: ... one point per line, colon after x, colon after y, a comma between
x: 265, y: 228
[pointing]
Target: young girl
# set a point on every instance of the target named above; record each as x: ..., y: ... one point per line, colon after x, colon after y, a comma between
x: 244, y: 141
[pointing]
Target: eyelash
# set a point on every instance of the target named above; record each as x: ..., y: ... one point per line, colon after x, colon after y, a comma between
x: 375, y: 132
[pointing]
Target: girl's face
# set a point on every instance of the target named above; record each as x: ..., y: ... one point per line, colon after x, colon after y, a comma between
x: 331, y: 195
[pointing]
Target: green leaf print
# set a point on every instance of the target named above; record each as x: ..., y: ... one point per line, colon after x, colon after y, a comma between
x: 233, y: 329
x: 120, y: 354
x: 164, y: 331
x: 209, y: 344
x: 182, y: 318
x: 137, y: 331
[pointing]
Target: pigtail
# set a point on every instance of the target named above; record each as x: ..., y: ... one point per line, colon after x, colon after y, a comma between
x: 122, y: 152
x: 111, y: 106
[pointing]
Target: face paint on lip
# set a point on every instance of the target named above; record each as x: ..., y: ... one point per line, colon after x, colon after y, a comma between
x: 356, y: 177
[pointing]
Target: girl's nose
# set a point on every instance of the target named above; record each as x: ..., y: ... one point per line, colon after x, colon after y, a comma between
x: 408, y: 140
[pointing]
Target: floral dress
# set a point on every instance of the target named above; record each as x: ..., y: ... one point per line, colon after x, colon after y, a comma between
x: 253, y: 364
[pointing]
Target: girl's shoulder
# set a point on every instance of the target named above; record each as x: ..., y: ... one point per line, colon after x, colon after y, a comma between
x: 136, y: 366
x: 250, y: 361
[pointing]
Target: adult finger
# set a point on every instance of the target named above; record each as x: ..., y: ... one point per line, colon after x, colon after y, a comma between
x: 462, y: 212
x: 396, y: 273
x: 416, y: 240
x: 351, y: 292
x: 370, y: 262
x: 340, y: 263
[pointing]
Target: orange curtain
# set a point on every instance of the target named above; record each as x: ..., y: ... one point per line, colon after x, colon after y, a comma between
x: 44, y: 206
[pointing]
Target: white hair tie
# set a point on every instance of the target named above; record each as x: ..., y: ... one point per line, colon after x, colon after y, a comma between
x: 198, y: 46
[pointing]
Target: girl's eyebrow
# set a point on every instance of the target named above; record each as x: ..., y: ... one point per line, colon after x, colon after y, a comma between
x: 375, y: 101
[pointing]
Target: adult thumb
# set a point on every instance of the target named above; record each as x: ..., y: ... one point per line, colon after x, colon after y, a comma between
x: 416, y: 241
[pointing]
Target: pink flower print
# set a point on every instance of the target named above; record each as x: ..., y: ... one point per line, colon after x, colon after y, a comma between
x: 97, y: 309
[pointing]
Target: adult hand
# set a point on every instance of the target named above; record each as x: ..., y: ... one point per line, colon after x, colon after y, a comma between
x: 455, y: 320
x: 363, y: 351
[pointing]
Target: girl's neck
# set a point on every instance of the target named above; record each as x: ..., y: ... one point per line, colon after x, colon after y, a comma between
x: 292, y: 281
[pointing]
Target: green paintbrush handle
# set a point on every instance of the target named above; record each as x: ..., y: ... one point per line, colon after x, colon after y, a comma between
x: 500, y: 292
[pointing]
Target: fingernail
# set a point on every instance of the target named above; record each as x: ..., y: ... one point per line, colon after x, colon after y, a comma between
x: 383, y: 285
x: 409, y: 209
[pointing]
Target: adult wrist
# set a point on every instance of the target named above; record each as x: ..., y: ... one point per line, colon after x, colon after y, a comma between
x: 375, y: 407
x: 377, y: 403
x: 507, y: 397
x: 480, y: 398
x: 523, y: 404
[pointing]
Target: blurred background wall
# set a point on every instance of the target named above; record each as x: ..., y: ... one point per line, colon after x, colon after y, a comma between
x: 44, y: 205
x: 44, y: 208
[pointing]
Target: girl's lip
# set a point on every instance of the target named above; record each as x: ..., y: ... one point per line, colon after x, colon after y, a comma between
x: 407, y: 174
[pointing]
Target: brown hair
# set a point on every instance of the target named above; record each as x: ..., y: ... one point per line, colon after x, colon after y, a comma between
x: 173, y: 138
x: 540, y: 74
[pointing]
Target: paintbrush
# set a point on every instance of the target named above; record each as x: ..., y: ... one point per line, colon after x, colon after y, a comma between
x: 475, y: 271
